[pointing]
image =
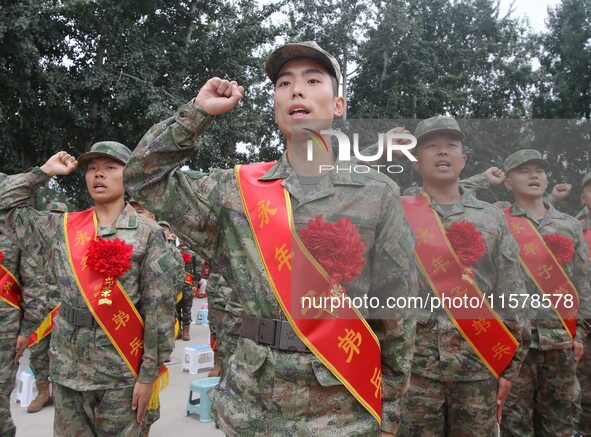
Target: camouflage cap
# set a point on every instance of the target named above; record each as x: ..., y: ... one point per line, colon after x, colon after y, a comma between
x: 164, y: 223
x: 524, y: 156
x: 438, y: 124
x: 586, y: 180
x: 306, y: 49
x: 107, y: 149
x: 57, y: 207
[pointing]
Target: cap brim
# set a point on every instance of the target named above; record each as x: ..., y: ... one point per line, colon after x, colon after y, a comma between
x: 85, y: 157
x: 293, y: 51
x: 452, y: 132
x: 545, y: 164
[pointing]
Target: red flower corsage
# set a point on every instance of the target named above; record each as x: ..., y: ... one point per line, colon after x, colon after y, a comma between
x: 110, y: 258
x: 467, y: 242
x: 186, y: 257
x: 336, y: 246
x: 562, y: 247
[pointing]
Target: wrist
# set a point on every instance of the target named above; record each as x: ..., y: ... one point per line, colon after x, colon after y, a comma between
x: 45, y: 169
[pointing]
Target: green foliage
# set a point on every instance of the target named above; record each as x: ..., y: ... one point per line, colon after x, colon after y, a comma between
x: 76, y: 71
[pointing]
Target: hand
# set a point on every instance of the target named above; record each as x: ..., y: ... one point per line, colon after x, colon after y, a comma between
x: 502, y: 391
x: 22, y: 343
x: 218, y: 96
x: 387, y: 434
x: 579, y: 351
x: 495, y: 176
x: 60, y: 164
x: 397, y: 130
x: 141, y: 399
x: 561, y: 191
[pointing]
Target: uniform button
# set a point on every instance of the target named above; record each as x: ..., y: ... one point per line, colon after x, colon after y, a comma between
x: 182, y: 114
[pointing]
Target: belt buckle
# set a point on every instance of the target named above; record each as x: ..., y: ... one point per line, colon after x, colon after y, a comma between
x: 84, y: 318
x: 289, y: 340
x: 266, y: 332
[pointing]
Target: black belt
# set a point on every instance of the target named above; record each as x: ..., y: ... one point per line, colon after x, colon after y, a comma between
x: 277, y: 334
x: 77, y: 317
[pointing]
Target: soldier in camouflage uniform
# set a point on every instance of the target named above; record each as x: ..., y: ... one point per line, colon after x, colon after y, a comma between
x: 540, y: 402
x: 452, y: 392
x: 583, y: 417
x: 39, y: 359
x: 185, y: 305
x: 16, y: 326
x: 179, y: 267
x: 256, y: 395
x: 95, y: 391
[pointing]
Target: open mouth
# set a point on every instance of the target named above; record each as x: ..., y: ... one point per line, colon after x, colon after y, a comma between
x: 99, y: 187
x: 443, y: 164
x: 298, y: 111
x: 534, y: 185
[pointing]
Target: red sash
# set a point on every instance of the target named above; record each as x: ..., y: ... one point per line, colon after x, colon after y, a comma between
x: 544, y: 269
x: 189, y: 279
x: 345, y: 343
x: 111, y: 307
x: 10, y: 289
x: 481, y: 327
x: 587, y: 234
x: 45, y: 328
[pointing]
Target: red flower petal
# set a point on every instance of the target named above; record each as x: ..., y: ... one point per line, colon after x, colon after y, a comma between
x: 109, y: 257
x: 467, y: 242
x: 561, y: 246
x: 336, y: 246
x: 186, y: 257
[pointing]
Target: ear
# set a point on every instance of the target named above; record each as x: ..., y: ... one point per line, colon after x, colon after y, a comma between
x: 339, y: 106
x: 465, y: 159
x: 507, y: 184
x: 583, y: 200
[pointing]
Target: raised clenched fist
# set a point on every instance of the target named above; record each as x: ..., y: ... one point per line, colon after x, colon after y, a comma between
x: 495, y: 176
x: 60, y: 164
x: 218, y: 96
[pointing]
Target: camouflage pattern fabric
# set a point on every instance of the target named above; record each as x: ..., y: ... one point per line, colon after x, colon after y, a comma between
x: 442, y: 355
x: 256, y: 395
x: 83, y: 358
x: 541, y: 402
x: 104, y: 413
x: 468, y: 406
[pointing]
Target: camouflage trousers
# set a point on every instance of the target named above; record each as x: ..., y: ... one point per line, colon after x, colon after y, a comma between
x: 100, y: 413
x: 39, y: 359
x: 541, y: 401
x: 183, y: 308
x: 583, y: 416
x: 455, y: 409
x: 269, y: 393
x: 7, y: 382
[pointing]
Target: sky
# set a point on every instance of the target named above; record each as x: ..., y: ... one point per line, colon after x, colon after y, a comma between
x: 535, y: 11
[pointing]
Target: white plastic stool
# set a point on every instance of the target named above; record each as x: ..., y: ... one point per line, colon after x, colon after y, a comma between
x: 197, y: 357
x: 26, y: 388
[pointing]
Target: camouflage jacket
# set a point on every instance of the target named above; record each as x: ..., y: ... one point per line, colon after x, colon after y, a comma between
x: 28, y: 271
x: 547, y: 330
x: 441, y: 351
x: 83, y: 358
x: 207, y: 212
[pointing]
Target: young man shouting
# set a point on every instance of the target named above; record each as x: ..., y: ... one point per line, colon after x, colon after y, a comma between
x: 291, y: 373
x: 113, y: 274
